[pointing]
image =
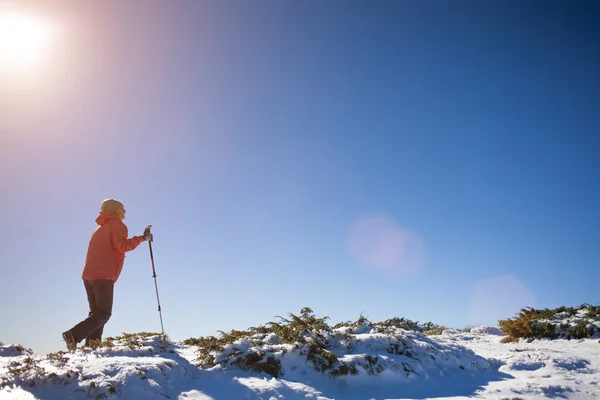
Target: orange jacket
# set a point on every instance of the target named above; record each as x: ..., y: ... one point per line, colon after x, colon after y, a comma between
x: 106, y: 252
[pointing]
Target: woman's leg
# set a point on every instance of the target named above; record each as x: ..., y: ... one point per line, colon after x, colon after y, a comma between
x: 100, y: 299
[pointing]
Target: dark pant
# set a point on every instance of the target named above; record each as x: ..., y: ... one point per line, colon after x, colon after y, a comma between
x: 100, y: 297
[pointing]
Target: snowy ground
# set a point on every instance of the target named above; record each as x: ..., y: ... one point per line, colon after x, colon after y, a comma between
x: 453, y: 365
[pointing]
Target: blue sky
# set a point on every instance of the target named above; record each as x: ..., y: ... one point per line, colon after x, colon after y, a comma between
x: 432, y: 160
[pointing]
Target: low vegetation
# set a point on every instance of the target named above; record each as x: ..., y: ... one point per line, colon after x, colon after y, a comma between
x: 132, y: 341
x: 562, y: 322
x: 318, y: 345
x: 28, y: 369
x: 259, y: 349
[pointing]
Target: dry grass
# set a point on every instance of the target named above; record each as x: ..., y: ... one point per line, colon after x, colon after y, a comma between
x: 435, y: 332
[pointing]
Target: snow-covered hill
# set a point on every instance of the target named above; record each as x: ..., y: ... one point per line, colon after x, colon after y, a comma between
x: 353, y: 361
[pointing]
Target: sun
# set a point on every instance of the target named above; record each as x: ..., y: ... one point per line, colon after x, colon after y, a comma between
x: 25, y: 41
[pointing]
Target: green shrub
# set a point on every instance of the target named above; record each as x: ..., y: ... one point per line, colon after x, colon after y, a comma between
x: 593, y: 312
x: 543, y: 330
x: 310, y: 335
x: 528, y: 323
x: 255, y: 362
x: 579, y: 331
x: 520, y: 326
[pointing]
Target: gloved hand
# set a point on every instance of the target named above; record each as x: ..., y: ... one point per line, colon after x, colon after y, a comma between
x: 147, y: 235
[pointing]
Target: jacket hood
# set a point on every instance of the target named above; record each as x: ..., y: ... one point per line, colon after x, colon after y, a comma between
x: 104, y: 217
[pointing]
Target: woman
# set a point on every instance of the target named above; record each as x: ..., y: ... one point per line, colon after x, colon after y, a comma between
x: 103, y: 265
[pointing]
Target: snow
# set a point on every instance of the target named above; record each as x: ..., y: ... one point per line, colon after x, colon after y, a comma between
x: 391, y: 364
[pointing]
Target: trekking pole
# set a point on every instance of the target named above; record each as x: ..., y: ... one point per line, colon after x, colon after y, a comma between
x: 147, y: 230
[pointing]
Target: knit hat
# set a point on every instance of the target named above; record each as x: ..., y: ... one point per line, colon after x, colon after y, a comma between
x: 110, y: 206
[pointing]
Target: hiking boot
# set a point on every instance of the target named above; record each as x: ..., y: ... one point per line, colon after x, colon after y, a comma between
x: 70, y: 340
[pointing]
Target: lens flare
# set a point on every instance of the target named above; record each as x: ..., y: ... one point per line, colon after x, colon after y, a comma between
x: 376, y: 241
x: 497, y: 298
